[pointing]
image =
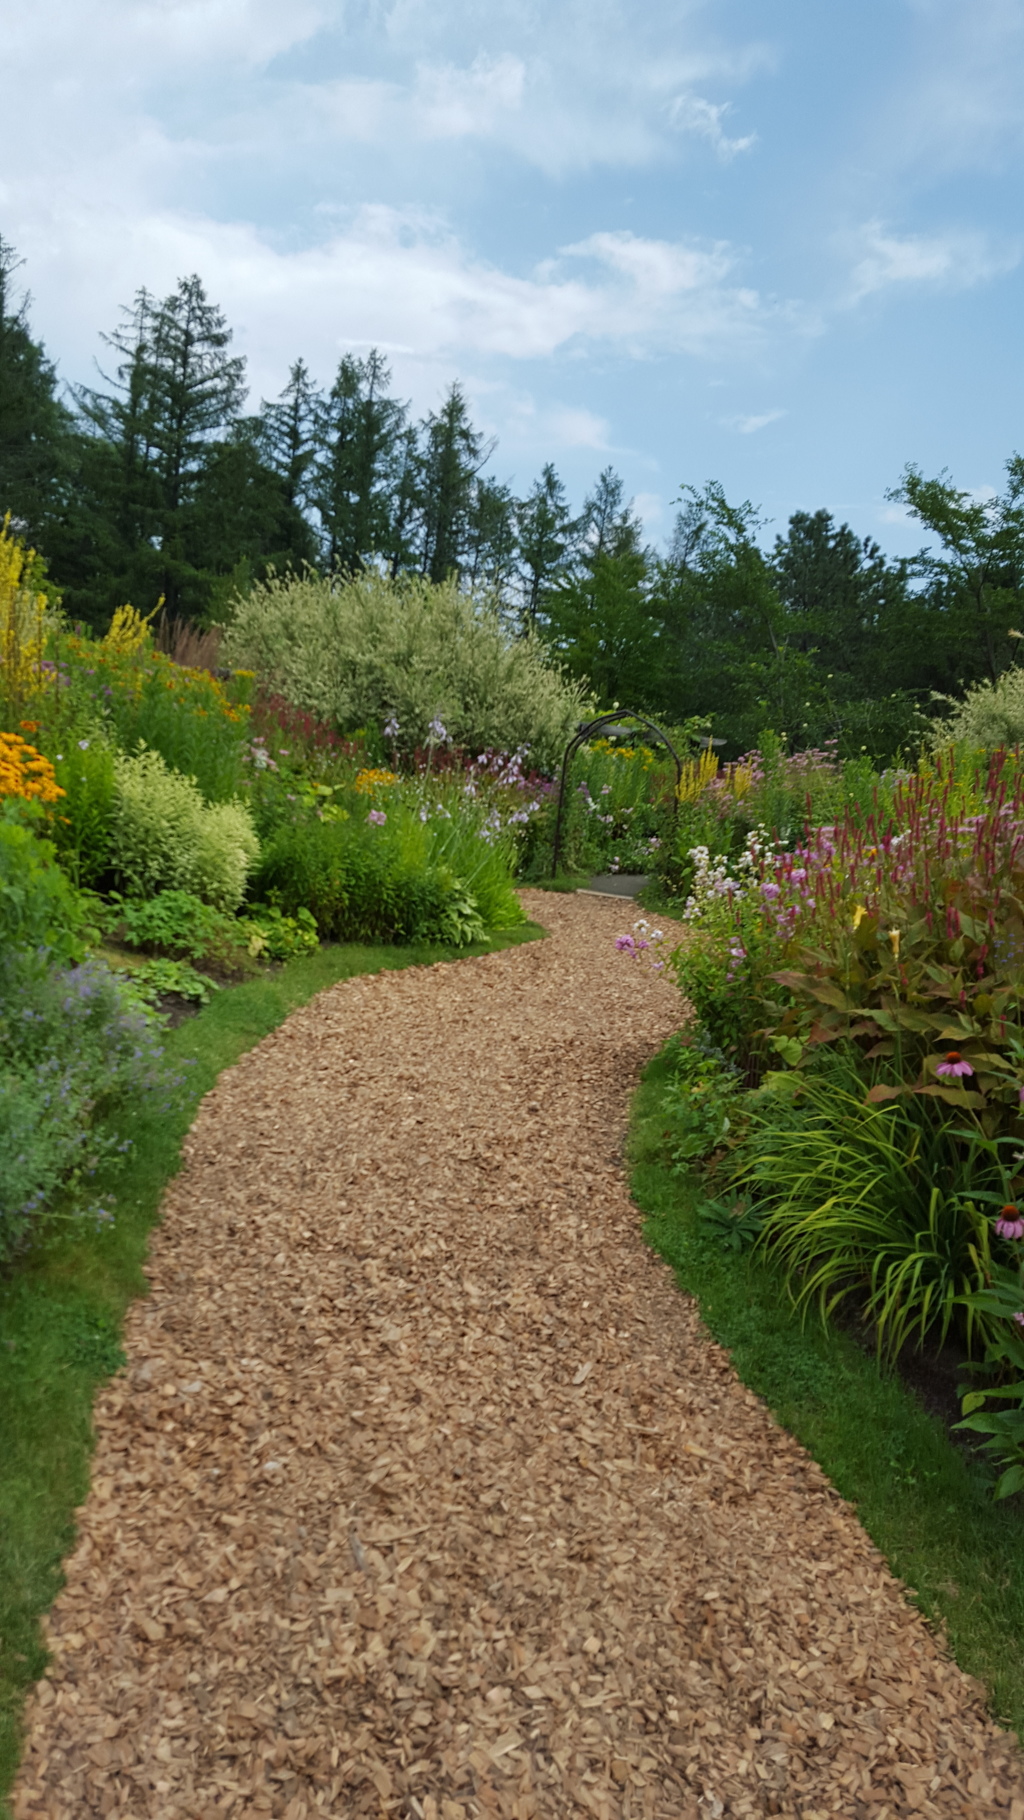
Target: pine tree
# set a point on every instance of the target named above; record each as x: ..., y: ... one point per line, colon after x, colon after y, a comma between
x: 288, y: 434
x: 35, y: 427
x: 360, y: 429
x: 492, y: 542
x: 453, y: 455
x: 546, y: 530
x: 176, y: 396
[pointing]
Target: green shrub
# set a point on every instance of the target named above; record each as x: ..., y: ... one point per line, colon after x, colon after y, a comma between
x: 166, y: 836
x: 361, y: 886
x: 39, y: 908
x: 356, y: 652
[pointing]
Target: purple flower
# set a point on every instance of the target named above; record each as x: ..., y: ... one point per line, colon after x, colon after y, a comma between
x: 437, y: 728
x: 377, y: 817
x: 1010, y: 1225
x: 769, y: 890
x: 1019, y: 1317
x: 954, y: 1066
x: 625, y: 944
x: 391, y: 727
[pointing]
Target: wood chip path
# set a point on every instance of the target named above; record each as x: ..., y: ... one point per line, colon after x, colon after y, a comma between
x: 425, y: 1493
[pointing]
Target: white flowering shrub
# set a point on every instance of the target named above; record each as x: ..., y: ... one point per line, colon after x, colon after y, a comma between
x: 991, y: 715
x: 165, y: 837
x: 719, y: 883
x: 409, y: 653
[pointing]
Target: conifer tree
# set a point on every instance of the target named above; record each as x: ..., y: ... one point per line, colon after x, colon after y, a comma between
x: 546, y: 529
x: 453, y: 454
x: 35, y: 426
x: 359, y: 434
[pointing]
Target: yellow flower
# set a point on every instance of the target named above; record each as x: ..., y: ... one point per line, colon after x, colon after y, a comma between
x: 894, y: 942
x: 858, y: 916
x: 25, y: 772
x: 370, y: 780
x: 130, y: 630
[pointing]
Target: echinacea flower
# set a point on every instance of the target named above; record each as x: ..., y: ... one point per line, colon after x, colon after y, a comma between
x: 954, y: 1066
x: 1010, y: 1224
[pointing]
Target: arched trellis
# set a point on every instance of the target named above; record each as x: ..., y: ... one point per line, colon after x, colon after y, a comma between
x: 589, y: 729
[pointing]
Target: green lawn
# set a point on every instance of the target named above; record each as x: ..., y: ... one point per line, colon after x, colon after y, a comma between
x: 925, y: 1502
x: 61, y: 1310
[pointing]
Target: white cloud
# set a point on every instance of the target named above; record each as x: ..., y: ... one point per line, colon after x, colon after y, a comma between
x: 400, y: 279
x: 573, y: 427
x: 703, y: 119
x: 954, y: 260
x: 749, y: 426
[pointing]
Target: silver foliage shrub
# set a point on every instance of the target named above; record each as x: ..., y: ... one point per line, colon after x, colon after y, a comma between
x: 165, y: 837
x: 990, y: 715
x: 358, y: 651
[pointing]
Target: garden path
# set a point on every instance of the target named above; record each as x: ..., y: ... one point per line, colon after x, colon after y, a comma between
x: 425, y: 1493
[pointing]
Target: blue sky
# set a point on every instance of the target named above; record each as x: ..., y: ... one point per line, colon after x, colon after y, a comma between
x: 778, y: 244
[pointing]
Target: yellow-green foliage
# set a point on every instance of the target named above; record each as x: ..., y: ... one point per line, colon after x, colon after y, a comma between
x: 991, y: 715
x: 357, y: 651
x: 167, y: 838
x: 23, y: 623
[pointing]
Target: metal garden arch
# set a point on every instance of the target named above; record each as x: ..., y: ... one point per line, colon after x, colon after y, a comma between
x: 587, y: 729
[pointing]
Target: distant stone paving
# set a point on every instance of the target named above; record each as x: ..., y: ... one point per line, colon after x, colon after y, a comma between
x: 424, y: 1492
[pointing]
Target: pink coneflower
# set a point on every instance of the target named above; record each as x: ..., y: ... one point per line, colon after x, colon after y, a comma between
x: 1010, y: 1225
x: 954, y: 1066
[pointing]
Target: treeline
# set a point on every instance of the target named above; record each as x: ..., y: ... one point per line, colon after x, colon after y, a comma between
x: 157, y: 483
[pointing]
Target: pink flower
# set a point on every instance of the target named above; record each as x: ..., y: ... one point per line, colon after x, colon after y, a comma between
x: 377, y: 817
x: 1010, y: 1225
x: 1019, y: 1317
x: 954, y: 1066
x: 625, y: 944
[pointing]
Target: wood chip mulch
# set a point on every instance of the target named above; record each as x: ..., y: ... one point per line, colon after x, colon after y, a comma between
x: 425, y: 1493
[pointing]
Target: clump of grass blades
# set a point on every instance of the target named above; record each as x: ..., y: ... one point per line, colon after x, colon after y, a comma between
x: 872, y: 1202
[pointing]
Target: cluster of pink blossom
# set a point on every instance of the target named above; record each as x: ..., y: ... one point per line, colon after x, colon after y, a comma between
x: 643, y: 940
